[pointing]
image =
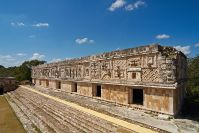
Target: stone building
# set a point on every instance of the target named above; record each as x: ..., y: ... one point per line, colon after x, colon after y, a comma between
x: 7, y: 84
x: 150, y: 77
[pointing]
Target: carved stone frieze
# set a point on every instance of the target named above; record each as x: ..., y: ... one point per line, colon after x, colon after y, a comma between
x: 143, y: 64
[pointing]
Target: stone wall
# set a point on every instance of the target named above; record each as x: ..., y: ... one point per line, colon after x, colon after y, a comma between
x: 67, y: 86
x: 7, y: 84
x: 37, y: 82
x: 43, y: 83
x: 85, y: 89
x: 179, y: 94
x: 159, y: 99
x: 153, y: 64
x: 118, y: 94
x: 53, y: 84
x: 159, y: 71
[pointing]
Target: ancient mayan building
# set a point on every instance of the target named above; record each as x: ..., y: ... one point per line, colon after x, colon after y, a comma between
x: 150, y: 77
x: 7, y: 84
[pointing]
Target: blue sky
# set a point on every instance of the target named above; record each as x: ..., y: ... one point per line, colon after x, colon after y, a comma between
x: 58, y: 29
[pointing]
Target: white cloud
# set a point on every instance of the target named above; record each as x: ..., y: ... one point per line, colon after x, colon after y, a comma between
x: 38, y: 25
x: 13, y: 60
x: 135, y: 5
x: 21, y: 54
x: 197, y: 45
x: 68, y: 58
x: 7, y: 60
x: 185, y: 49
x: 17, y: 24
x: 84, y: 41
x: 162, y: 36
x: 117, y: 4
x: 91, y: 41
x: 56, y: 60
x: 32, y: 36
x: 37, y: 56
x: 6, y: 57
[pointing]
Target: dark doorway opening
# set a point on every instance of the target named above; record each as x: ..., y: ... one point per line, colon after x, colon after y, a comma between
x: 1, y: 90
x: 138, y: 96
x: 58, y: 85
x: 98, y: 91
x: 47, y: 83
x: 75, y: 87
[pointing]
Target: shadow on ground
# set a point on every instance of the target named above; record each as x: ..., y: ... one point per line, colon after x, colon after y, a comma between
x: 190, y: 109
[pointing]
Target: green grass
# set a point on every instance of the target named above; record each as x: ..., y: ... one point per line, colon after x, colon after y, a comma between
x: 9, y: 122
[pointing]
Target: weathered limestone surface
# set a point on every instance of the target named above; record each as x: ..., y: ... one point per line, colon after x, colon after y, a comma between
x: 158, y: 71
x: 67, y: 86
x: 118, y: 94
x: 159, y: 99
x: 84, y: 89
x: 52, y: 84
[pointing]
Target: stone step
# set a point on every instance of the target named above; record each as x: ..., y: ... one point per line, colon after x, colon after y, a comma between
x: 34, y: 117
x: 27, y: 123
x: 96, y: 123
x: 46, y: 112
x: 26, y: 111
x: 50, y: 121
x: 83, y: 120
x: 70, y: 119
x: 60, y: 117
x: 78, y: 122
x: 37, y: 120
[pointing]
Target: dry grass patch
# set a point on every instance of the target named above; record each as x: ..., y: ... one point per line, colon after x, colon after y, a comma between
x: 9, y: 122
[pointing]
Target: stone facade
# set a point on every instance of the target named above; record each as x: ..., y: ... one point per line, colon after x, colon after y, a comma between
x: 7, y: 84
x: 150, y: 77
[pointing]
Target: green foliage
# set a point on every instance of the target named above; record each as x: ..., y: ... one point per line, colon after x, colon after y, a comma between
x: 23, y: 72
x: 193, y: 77
x: 1, y: 66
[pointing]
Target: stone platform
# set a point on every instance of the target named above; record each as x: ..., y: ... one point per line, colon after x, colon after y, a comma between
x: 38, y: 113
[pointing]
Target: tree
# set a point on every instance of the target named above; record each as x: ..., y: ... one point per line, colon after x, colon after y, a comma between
x: 22, y: 72
x: 2, y: 66
x: 33, y: 63
x: 193, y: 77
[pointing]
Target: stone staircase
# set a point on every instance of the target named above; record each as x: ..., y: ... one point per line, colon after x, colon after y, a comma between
x: 40, y: 114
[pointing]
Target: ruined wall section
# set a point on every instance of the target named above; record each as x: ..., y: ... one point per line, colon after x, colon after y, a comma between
x: 7, y: 84
x: 142, y: 65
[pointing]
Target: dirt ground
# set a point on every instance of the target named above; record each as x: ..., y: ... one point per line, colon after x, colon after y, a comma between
x: 9, y: 123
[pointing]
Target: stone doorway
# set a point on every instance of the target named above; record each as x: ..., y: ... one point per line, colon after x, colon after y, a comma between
x: 58, y: 84
x: 74, y: 87
x: 47, y: 83
x: 138, y: 96
x: 98, y: 90
x: 1, y: 90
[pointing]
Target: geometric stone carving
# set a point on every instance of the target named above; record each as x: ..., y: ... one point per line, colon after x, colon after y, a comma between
x: 134, y: 62
x: 150, y: 63
x: 150, y: 75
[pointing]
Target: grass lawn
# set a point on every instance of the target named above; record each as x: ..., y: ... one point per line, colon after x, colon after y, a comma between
x: 9, y: 122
